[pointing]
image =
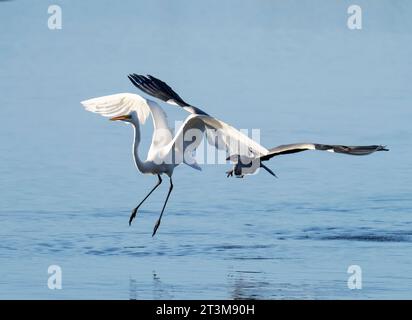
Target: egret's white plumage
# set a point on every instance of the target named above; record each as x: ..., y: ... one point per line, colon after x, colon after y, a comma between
x: 164, y: 145
x: 168, y: 151
x: 125, y: 103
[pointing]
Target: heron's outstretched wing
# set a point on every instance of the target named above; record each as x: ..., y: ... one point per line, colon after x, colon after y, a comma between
x: 219, y: 133
x: 298, y: 147
x: 161, y: 90
x: 124, y: 103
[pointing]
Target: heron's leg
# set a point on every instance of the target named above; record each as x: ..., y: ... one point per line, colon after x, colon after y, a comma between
x: 135, y: 209
x: 163, y: 209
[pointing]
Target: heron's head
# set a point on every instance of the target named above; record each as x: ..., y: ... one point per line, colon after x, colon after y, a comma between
x: 244, y: 165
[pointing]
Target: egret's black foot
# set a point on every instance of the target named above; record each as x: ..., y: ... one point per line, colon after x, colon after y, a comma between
x: 229, y: 173
x: 156, y: 227
x: 132, y: 216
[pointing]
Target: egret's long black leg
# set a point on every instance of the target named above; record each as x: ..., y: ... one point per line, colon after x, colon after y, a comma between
x: 135, y: 209
x: 163, y: 209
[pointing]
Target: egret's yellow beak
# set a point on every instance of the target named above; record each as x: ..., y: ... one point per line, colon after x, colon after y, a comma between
x: 121, y: 118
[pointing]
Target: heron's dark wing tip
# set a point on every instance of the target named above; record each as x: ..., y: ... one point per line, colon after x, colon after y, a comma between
x: 156, y: 88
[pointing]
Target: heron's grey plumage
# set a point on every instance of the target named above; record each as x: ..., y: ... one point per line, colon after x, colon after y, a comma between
x: 299, y: 147
x: 161, y: 90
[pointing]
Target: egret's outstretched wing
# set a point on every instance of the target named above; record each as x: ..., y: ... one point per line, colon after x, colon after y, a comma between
x: 218, y: 133
x: 225, y: 137
x: 161, y: 90
x: 186, y: 140
x: 298, y: 147
x: 119, y: 104
x: 125, y: 103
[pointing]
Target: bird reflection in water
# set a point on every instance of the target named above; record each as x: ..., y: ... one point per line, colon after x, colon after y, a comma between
x: 159, y: 289
x: 247, y: 285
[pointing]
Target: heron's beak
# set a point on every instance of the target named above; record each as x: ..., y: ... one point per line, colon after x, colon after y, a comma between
x: 120, y: 118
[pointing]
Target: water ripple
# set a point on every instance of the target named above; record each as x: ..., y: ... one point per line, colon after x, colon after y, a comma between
x: 359, y: 234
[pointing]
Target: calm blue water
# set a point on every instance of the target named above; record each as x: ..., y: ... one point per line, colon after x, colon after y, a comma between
x: 290, y: 68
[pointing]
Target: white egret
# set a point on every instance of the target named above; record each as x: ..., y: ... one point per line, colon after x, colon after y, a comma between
x: 167, y: 151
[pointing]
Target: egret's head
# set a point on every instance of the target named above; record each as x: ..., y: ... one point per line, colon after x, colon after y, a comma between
x: 126, y: 118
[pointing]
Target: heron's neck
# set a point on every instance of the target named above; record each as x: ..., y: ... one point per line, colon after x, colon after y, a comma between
x: 139, y: 163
